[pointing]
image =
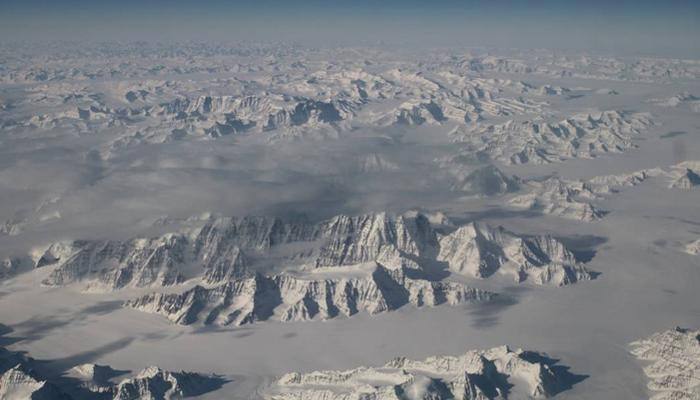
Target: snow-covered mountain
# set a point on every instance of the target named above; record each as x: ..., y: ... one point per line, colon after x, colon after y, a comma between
x: 679, y: 100
x: 496, y: 373
x: 20, y: 380
x: 482, y: 181
x: 20, y: 383
x: 289, y: 298
x: 675, y: 361
x: 481, y: 251
x: 562, y: 198
x: 155, y: 383
x: 539, y: 142
x: 380, y: 195
x: 577, y: 199
x: 215, y: 252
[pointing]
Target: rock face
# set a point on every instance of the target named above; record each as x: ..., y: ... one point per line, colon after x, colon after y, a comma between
x: 217, y: 251
x: 561, y: 198
x: 675, y: 370
x: 353, y: 240
x: 153, y: 383
x: 289, y: 298
x: 576, y: 199
x: 19, y: 381
x: 487, y: 181
x: 93, y: 377
x: 374, y: 264
x: 496, y: 373
x: 114, y: 264
x: 222, y: 115
x: 539, y: 142
x: 214, y: 250
x: 688, y: 179
x: 414, y: 113
x: 481, y: 251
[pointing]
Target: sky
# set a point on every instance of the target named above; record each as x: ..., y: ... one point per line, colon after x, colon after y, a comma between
x: 629, y: 27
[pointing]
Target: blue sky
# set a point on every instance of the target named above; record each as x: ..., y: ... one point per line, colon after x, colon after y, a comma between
x: 664, y: 27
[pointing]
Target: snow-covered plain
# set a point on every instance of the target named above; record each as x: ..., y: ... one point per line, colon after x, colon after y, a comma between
x: 250, y: 214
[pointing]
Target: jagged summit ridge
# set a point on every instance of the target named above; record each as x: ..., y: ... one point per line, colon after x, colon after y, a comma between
x: 20, y: 382
x: 369, y: 237
x: 374, y: 263
x: 289, y: 298
x: 480, y: 251
x: 216, y: 251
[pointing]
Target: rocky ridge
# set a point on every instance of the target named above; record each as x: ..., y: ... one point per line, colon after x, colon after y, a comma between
x: 576, y: 199
x: 480, y: 251
x: 288, y: 298
x: 497, y: 373
x: 20, y: 380
x: 218, y: 250
x: 539, y: 142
